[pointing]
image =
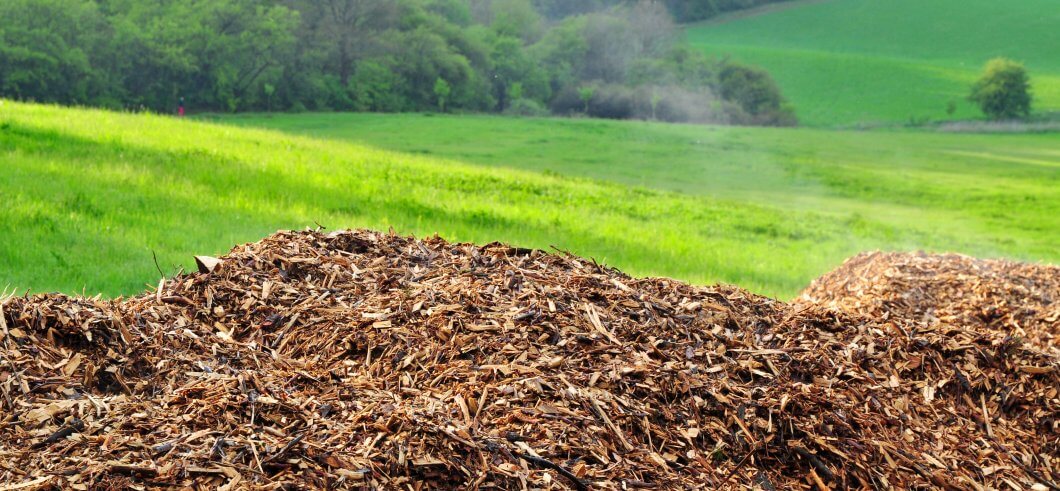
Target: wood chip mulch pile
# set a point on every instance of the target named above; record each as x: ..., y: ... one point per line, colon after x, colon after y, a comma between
x: 1017, y: 299
x: 371, y: 361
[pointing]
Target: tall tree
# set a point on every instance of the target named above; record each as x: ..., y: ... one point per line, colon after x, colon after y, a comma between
x: 47, y: 49
x: 1003, y: 91
x: 350, y: 24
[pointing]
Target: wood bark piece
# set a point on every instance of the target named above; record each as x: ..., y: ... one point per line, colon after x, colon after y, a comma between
x: 207, y: 264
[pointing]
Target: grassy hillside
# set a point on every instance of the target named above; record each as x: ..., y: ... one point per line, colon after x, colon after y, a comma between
x: 90, y: 195
x: 993, y: 194
x: 850, y: 61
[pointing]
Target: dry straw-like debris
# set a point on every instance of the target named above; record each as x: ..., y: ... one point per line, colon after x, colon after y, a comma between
x: 364, y: 360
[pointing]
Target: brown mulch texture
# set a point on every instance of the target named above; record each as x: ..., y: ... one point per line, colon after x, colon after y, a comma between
x: 363, y: 360
x: 1005, y: 297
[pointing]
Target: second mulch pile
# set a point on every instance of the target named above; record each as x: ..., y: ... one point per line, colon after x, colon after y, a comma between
x: 358, y: 359
x: 1008, y: 298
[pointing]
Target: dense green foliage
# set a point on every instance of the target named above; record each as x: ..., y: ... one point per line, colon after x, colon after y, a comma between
x: 90, y: 195
x: 515, y: 56
x: 847, y: 62
x: 1003, y: 92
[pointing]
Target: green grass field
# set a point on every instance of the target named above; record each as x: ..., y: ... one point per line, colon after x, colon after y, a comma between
x: 844, y: 62
x: 89, y: 196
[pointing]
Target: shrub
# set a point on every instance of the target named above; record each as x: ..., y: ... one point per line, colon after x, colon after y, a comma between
x: 757, y: 94
x: 442, y: 89
x: 566, y: 101
x: 612, y: 102
x: 1003, y: 91
x: 526, y: 107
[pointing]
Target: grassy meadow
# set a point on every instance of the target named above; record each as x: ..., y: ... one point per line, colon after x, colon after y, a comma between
x: 846, y: 62
x: 91, y: 196
x: 992, y: 194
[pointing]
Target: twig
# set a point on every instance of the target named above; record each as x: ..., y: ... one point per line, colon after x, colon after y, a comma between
x: 75, y: 426
x: 738, y: 466
x: 986, y: 415
x: 155, y: 257
x: 133, y: 470
x: 1031, y: 472
x: 816, y: 462
x: 817, y: 480
x: 294, y: 441
x: 3, y: 319
x: 540, y: 462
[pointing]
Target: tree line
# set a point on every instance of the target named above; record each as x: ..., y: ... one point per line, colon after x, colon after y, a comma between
x: 682, y: 10
x: 602, y: 58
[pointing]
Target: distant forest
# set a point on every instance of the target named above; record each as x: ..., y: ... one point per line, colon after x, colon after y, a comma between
x: 601, y: 58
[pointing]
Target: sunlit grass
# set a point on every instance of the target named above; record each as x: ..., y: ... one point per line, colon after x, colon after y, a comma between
x: 89, y: 196
x: 998, y: 192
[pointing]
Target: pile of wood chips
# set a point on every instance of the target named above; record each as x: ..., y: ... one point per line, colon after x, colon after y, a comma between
x: 370, y: 361
x: 1017, y: 299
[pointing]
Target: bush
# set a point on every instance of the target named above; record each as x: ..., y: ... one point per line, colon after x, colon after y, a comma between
x: 566, y: 102
x: 1003, y: 92
x: 526, y: 107
x: 757, y: 94
x: 612, y: 102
